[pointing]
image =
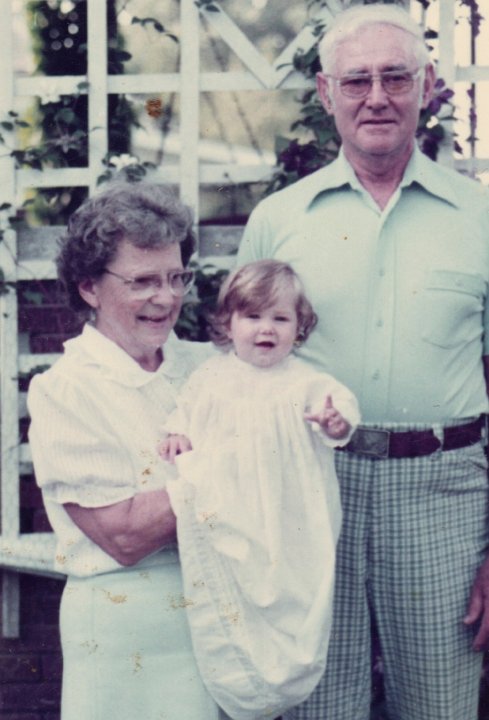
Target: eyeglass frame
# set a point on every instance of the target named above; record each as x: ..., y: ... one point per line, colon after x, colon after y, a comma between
x: 413, y: 75
x: 156, y: 287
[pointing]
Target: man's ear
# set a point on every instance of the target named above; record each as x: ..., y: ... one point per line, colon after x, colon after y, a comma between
x: 89, y: 292
x: 428, y: 86
x: 323, y: 88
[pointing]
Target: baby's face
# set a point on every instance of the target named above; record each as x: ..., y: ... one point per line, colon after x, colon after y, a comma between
x: 265, y: 337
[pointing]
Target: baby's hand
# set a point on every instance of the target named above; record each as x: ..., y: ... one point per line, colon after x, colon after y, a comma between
x: 331, y: 422
x: 173, y: 445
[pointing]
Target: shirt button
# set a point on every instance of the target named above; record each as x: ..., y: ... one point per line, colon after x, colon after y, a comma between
x: 380, y: 323
x: 375, y: 375
x: 381, y: 272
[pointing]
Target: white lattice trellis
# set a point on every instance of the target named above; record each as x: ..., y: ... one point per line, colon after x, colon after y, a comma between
x: 34, y: 552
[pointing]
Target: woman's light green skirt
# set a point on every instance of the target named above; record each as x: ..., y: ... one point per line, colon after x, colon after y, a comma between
x: 127, y: 651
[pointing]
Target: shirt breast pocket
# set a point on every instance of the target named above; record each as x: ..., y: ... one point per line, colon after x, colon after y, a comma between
x: 452, y: 307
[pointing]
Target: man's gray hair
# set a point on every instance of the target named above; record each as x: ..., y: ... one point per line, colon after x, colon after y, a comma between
x: 349, y: 21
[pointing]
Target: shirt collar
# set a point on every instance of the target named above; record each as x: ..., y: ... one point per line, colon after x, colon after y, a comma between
x: 331, y: 177
x: 94, y: 348
x: 420, y: 171
x: 431, y: 176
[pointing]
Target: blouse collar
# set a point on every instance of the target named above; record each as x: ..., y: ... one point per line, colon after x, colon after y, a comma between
x: 94, y: 348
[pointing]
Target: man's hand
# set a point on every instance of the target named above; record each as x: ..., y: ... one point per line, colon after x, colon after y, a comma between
x: 478, y: 609
x: 331, y: 422
x: 172, y: 446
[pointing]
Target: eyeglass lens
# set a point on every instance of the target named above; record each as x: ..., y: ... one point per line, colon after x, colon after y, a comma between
x: 179, y: 283
x: 393, y: 83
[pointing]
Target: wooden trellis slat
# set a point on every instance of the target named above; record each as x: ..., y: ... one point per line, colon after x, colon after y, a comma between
x: 190, y: 104
x: 34, y: 552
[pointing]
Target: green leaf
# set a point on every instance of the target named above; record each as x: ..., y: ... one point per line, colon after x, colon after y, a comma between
x: 104, y: 177
x: 121, y: 55
x: 65, y: 115
x: 281, y: 144
x: 36, y: 298
x: 152, y: 21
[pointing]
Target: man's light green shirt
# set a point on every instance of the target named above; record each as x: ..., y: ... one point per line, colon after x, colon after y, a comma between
x: 401, y: 294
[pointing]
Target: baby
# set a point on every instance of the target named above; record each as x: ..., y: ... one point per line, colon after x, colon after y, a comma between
x: 256, y: 497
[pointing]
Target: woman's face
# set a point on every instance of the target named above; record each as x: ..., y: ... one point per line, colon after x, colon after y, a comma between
x: 140, y: 326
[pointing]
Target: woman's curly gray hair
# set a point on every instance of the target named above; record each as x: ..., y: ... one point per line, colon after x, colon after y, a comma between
x: 146, y: 215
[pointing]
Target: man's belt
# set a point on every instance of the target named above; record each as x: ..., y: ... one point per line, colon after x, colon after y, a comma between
x: 379, y: 443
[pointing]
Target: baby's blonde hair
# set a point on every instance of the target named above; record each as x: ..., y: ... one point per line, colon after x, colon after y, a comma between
x: 254, y: 287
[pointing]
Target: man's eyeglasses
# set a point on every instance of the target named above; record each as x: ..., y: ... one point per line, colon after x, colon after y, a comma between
x: 145, y: 286
x: 394, y: 82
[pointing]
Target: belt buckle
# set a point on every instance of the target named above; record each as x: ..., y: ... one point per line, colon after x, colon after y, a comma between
x: 373, y: 442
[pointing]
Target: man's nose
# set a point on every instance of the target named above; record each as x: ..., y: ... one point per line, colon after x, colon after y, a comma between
x: 377, y: 95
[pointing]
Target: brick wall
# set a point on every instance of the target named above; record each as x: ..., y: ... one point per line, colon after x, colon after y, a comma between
x: 44, y: 320
x: 30, y: 666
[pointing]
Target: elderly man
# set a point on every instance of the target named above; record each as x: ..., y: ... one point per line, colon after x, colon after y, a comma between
x: 394, y: 254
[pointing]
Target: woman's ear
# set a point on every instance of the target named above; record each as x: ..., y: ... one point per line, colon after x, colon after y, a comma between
x: 89, y: 292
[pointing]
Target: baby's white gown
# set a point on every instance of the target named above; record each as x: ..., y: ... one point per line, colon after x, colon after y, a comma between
x: 258, y: 516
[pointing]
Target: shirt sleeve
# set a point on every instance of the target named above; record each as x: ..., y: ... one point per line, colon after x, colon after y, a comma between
x: 256, y: 241
x: 485, y: 320
x: 77, y: 457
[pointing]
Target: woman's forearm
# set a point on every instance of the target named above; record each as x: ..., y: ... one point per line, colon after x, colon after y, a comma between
x: 131, y: 529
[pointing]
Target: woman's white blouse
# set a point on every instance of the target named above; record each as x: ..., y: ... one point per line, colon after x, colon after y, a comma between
x: 258, y: 515
x: 95, y: 417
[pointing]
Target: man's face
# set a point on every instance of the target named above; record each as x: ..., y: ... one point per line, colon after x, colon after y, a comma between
x: 378, y: 125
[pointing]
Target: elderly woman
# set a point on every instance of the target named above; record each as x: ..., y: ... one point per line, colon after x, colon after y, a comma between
x: 96, y: 416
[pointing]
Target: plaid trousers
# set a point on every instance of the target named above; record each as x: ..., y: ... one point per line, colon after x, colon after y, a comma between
x: 414, y: 533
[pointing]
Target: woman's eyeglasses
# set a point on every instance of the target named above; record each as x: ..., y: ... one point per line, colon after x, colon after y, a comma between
x: 147, y: 285
x: 393, y: 82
